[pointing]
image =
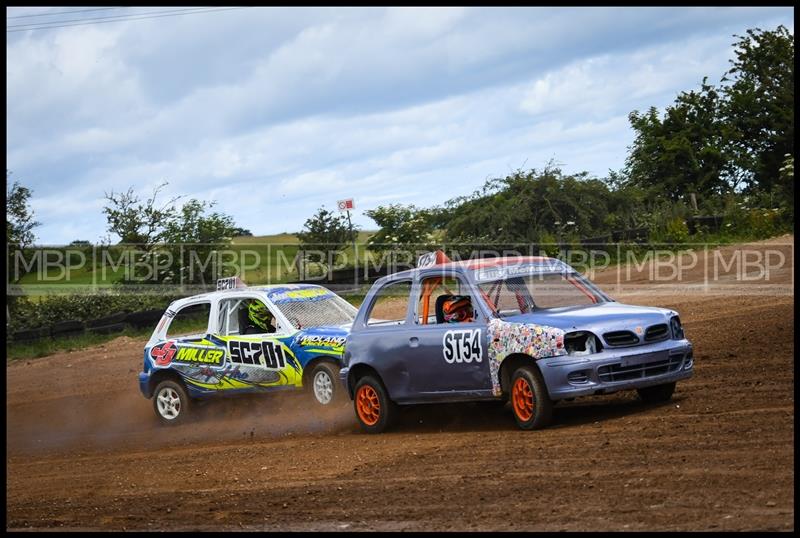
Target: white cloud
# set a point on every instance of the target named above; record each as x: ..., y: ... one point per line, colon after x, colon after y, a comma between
x: 273, y: 112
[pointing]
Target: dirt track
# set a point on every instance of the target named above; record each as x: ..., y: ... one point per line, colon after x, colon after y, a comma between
x: 84, y: 450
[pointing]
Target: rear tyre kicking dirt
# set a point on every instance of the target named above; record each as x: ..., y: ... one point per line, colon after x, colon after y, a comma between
x: 657, y: 394
x: 374, y: 410
x: 171, y: 403
x: 325, y: 386
x: 530, y: 401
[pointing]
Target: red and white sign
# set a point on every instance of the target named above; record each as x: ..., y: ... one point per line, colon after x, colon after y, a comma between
x: 346, y: 205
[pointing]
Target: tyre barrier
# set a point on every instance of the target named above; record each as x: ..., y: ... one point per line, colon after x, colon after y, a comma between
x: 145, y: 318
x: 31, y: 334
x: 119, y: 317
x: 111, y: 324
x: 67, y: 328
x: 109, y: 329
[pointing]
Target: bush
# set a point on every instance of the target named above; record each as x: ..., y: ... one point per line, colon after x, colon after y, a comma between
x: 676, y: 231
x: 26, y: 313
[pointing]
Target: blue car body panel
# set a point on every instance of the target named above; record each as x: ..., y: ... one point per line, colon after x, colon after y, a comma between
x: 420, y: 363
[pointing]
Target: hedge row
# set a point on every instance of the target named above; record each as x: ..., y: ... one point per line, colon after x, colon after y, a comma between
x: 96, y: 310
x: 106, y: 325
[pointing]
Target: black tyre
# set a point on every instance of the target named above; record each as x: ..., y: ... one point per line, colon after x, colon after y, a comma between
x: 31, y: 334
x: 119, y: 317
x: 530, y: 401
x: 109, y: 329
x: 374, y: 410
x: 657, y: 393
x: 171, y: 402
x: 324, y: 385
x: 146, y: 318
x: 67, y: 328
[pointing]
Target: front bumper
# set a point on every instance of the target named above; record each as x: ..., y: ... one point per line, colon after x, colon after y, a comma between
x: 617, y: 369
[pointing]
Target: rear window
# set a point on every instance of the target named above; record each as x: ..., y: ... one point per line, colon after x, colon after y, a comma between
x: 191, y: 320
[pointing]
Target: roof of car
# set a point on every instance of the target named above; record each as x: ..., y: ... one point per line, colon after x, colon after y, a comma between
x: 268, y: 288
x: 486, y: 263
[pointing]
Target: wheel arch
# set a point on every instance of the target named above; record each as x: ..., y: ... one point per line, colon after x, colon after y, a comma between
x: 311, y: 364
x: 357, y: 371
x: 162, y: 375
x: 509, y: 365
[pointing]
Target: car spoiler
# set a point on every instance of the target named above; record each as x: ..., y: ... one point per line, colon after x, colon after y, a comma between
x: 230, y: 283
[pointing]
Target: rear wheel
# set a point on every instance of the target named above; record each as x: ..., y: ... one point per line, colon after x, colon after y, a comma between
x: 374, y: 410
x: 530, y: 401
x: 325, y: 385
x: 658, y: 393
x: 171, y: 402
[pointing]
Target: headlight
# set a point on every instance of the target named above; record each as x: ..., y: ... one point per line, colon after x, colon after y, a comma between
x: 581, y: 343
x: 677, y: 329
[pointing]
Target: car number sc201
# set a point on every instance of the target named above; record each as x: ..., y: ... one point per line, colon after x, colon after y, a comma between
x: 462, y: 346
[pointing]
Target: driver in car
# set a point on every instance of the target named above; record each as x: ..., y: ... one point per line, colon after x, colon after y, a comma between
x: 458, y: 309
x: 259, y: 319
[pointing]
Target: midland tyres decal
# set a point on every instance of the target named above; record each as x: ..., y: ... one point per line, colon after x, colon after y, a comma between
x: 462, y: 346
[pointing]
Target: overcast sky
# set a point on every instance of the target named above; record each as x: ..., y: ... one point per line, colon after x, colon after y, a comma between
x: 273, y: 112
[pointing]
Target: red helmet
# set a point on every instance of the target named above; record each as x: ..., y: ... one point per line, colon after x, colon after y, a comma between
x: 457, y: 309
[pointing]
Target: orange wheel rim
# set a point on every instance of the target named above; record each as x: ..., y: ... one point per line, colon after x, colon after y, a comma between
x: 522, y: 398
x: 368, y: 406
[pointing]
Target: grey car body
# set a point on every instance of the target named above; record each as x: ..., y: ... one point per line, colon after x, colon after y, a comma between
x: 624, y: 346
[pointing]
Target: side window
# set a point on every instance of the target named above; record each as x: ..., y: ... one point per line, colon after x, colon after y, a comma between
x: 246, y: 316
x: 228, y: 320
x: 444, y: 300
x: 191, y: 320
x: 390, y: 304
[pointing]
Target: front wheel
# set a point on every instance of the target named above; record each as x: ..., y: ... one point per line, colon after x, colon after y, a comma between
x: 325, y: 385
x: 658, y: 393
x: 171, y: 403
x: 374, y: 410
x: 532, y: 406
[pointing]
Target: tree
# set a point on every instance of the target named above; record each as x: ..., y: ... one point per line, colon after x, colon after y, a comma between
x: 759, y: 106
x: 19, y: 228
x: 525, y: 206
x: 137, y: 222
x: 175, y: 245
x: 242, y: 232
x: 328, y: 233
x: 194, y: 238
x: 19, y: 215
x: 682, y: 153
x: 400, y: 227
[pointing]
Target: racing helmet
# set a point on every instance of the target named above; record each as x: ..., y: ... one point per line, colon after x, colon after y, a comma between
x: 457, y: 309
x: 259, y: 315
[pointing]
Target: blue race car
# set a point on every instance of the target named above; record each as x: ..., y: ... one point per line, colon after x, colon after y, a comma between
x: 243, y: 340
x: 526, y: 329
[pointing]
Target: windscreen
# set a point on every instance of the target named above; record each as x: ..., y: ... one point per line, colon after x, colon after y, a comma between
x: 527, y: 293
x: 313, y: 307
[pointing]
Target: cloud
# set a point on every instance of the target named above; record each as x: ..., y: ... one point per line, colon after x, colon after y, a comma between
x: 275, y: 111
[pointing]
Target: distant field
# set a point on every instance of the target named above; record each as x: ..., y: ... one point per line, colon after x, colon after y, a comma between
x: 269, y: 257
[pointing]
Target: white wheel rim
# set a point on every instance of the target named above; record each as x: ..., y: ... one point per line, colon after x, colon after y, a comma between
x: 169, y: 403
x: 323, y: 387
